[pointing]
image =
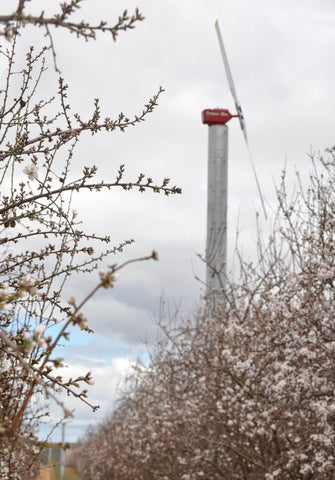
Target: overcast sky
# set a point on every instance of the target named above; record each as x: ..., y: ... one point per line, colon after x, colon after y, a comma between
x: 281, y: 55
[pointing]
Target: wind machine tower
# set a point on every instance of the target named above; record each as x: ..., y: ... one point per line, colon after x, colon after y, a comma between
x: 216, y: 244
x: 217, y: 200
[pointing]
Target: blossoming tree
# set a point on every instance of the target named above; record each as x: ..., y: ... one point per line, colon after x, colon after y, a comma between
x: 245, y: 389
x: 42, y: 241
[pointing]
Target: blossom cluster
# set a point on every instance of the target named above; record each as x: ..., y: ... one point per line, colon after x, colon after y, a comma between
x: 245, y: 388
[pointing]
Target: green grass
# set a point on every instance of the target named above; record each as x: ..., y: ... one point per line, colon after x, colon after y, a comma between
x: 69, y: 473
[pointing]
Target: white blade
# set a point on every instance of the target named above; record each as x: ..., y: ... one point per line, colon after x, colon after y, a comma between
x: 231, y: 81
x: 256, y: 178
x: 238, y: 107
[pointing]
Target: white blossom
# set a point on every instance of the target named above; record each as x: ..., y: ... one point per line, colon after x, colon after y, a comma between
x: 31, y: 171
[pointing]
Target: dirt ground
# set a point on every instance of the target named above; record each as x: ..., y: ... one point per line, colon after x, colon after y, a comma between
x: 46, y: 473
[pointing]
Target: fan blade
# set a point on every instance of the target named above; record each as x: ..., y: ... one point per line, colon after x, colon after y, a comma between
x: 256, y: 178
x: 238, y: 109
x: 230, y: 79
